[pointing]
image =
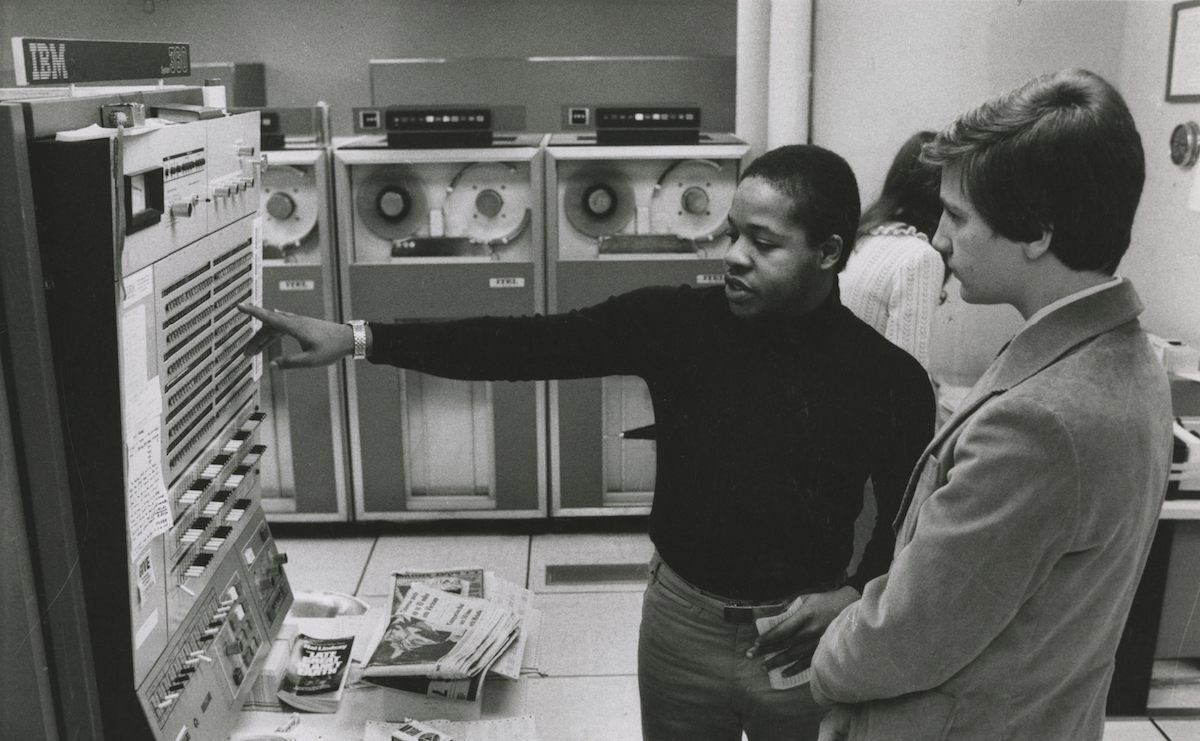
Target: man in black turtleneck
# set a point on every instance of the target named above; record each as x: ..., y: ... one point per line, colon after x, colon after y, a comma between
x: 773, y: 405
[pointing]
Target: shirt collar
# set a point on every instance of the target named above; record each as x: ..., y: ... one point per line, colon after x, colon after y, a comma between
x: 1070, y: 299
x: 823, y: 311
x: 819, y: 316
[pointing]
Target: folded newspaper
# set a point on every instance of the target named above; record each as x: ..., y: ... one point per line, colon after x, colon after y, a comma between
x: 467, y: 581
x: 440, y: 634
x: 476, y: 582
x: 520, y: 601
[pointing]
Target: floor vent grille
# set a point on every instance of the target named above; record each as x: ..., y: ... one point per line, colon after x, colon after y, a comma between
x: 597, y: 573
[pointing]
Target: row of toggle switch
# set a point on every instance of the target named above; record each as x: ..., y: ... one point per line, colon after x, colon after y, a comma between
x: 197, y: 650
x: 213, y: 522
x: 212, y: 470
x: 200, y: 525
x: 216, y: 539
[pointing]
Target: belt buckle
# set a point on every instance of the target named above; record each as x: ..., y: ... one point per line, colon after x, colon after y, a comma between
x: 740, y: 614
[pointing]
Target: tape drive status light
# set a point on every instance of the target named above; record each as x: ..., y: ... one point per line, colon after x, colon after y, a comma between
x: 647, y: 125
x: 578, y: 116
x: 420, y: 127
x: 369, y: 120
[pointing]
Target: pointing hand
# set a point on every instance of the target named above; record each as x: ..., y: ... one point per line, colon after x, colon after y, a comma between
x: 321, y: 342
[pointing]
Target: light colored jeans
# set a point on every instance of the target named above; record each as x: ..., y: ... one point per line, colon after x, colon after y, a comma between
x: 695, y: 681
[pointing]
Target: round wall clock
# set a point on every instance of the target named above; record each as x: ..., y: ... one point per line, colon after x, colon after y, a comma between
x: 1185, y: 144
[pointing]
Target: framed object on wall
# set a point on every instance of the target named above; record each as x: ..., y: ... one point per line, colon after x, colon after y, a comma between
x: 1183, y: 61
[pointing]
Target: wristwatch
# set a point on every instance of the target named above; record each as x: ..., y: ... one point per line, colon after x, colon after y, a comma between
x: 360, y: 338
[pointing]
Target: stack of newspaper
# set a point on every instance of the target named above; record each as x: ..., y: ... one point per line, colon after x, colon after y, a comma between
x: 450, y: 624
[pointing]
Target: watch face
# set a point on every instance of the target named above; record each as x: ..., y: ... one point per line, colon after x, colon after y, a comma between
x: 1185, y: 144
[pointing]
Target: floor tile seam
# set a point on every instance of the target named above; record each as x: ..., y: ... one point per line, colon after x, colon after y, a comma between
x: 1158, y: 728
x: 366, y: 565
x: 528, y: 562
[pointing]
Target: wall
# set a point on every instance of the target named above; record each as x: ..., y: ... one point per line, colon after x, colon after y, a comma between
x: 317, y: 50
x: 1164, y: 260
x: 883, y: 68
x: 886, y: 68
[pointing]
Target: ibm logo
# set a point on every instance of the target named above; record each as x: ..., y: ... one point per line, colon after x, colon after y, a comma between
x: 47, y: 61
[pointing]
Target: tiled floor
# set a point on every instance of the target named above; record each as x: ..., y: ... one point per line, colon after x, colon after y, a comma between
x: 588, y: 656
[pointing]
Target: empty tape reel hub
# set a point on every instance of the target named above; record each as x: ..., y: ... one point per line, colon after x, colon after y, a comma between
x: 488, y: 203
x: 598, y: 203
x: 692, y: 200
x: 391, y: 202
x: 280, y: 206
x: 695, y: 200
x: 600, y: 200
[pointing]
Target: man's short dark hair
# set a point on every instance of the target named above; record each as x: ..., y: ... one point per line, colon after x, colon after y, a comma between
x: 1059, y: 153
x: 822, y: 187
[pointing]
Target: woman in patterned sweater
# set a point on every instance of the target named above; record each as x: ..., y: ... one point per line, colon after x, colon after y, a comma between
x: 894, y: 278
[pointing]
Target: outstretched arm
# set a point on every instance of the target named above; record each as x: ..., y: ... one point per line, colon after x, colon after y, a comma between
x: 321, y: 342
x: 614, y: 337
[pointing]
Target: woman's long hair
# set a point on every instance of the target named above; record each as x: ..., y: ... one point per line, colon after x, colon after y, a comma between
x: 910, y: 191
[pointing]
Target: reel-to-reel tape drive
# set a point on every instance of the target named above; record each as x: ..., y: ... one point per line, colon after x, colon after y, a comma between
x: 305, y: 474
x: 295, y: 202
x: 651, y: 207
x: 292, y: 207
x: 473, y: 209
x: 436, y: 233
x: 625, y: 216
x: 441, y: 218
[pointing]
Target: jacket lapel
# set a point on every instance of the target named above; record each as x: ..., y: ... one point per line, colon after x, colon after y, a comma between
x: 1033, y: 349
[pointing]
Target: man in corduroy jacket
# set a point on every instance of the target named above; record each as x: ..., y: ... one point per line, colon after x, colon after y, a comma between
x: 1026, y: 525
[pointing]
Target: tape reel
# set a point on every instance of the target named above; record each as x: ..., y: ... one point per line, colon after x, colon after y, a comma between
x: 488, y: 203
x: 391, y: 201
x: 291, y: 206
x: 692, y: 200
x: 598, y: 201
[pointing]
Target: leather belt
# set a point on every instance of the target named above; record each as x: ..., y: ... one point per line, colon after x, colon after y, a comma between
x: 745, y: 614
x: 733, y: 611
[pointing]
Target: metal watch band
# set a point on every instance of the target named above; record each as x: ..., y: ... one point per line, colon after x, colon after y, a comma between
x: 360, y: 338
